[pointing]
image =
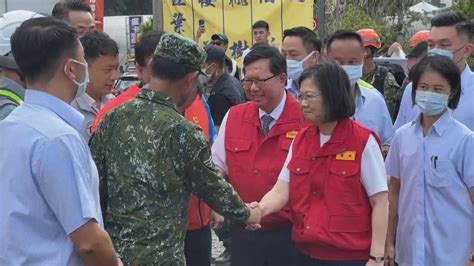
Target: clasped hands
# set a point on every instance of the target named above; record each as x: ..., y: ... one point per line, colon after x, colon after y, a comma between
x: 256, y: 213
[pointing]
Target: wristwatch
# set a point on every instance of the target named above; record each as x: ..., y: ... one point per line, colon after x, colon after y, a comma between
x: 376, y: 259
x: 471, y: 257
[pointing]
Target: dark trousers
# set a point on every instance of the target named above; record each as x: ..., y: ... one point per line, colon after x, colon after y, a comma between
x: 224, y: 234
x: 197, y: 247
x: 262, y: 248
x: 305, y: 260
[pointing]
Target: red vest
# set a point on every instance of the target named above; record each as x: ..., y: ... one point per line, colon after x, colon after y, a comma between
x: 199, y: 214
x: 255, y: 161
x: 331, y: 212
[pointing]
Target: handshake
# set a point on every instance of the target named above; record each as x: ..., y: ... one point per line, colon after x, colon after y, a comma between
x: 256, y: 214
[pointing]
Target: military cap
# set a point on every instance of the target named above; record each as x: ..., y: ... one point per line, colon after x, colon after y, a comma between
x: 181, y: 50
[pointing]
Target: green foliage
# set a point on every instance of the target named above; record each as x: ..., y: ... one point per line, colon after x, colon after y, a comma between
x: 146, y: 26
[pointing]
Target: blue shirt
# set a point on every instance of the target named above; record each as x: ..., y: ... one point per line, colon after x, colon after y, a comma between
x: 49, y: 183
x: 372, y: 112
x: 464, y: 113
x: 434, y: 207
x: 291, y: 87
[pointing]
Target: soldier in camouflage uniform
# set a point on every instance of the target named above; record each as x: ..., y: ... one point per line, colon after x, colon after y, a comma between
x: 391, y: 90
x: 150, y: 159
x: 380, y: 76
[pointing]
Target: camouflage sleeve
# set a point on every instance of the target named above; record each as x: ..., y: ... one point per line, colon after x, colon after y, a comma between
x: 97, y: 145
x: 393, y: 95
x: 192, y: 160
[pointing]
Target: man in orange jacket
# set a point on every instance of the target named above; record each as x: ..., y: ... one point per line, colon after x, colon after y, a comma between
x: 198, y: 242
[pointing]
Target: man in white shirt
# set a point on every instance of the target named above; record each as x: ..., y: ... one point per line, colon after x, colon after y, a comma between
x: 101, y: 53
x: 450, y: 35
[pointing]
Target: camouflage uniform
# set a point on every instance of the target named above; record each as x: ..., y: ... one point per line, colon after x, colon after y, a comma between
x: 391, y: 90
x: 150, y: 159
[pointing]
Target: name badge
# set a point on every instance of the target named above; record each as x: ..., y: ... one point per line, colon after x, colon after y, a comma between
x: 346, y: 156
x: 291, y: 134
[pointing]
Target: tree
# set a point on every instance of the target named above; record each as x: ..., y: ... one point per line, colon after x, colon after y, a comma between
x: 391, y: 19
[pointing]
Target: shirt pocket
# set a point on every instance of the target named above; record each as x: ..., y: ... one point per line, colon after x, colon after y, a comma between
x: 238, y: 145
x: 441, y: 175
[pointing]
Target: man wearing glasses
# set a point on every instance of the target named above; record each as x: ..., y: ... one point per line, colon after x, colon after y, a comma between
x: 251, y: 147
x: 222, y: 41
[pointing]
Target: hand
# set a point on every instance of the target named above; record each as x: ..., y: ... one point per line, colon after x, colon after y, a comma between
x: 119, y: 262
x: 394, y: 48
x: 373, y: 263
x: 253, y: 222
x: 199, y: 32
x: 217, y: 221
x: 470, y: 263
x: 389, y: 259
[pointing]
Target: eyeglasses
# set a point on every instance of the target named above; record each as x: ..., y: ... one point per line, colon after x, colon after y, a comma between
x: 258, y: 82
x: 309, y: 97
x: 218, y: 43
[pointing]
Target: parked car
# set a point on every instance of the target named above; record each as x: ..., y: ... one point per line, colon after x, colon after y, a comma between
x: 124, y: 82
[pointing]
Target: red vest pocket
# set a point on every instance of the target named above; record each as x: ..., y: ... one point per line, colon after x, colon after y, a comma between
x: 238, y: 145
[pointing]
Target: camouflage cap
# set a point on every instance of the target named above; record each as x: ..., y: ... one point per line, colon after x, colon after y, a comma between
x: 181, y: 50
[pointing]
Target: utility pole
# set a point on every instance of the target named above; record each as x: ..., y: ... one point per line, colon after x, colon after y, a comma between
x: 158, y: 15
x: 320, y: 13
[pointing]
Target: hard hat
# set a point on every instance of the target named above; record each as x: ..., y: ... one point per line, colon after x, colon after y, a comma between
x: 419, y: 36
x: 370, y: 38
x: 8, y: 24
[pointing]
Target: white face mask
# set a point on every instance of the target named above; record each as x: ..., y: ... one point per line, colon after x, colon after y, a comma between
x: 294, y: 68
x: 431, y: 103
x: 354, y: 72
x: 82, y: 86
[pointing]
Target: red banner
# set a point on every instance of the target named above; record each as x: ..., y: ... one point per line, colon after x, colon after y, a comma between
x: 98, y: 10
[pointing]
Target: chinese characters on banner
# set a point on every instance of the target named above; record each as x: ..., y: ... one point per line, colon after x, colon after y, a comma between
x: 234, y: 18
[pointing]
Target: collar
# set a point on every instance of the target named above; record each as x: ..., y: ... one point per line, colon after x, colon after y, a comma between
x: 291, y: 87
x: 56, y: 105
x: 440, y: 126
x: 276, y: 113
x: 156, y: 97
x: 467, y: 77
x: 360, y: 95
x: 88, y: 104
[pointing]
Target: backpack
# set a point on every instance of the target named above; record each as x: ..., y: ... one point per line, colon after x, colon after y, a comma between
x: 395, y: 69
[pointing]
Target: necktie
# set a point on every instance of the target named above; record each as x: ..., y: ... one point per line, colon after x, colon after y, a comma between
x: 266, y: 120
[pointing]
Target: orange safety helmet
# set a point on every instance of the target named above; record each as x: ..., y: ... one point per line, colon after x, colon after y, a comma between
x: 419, y: 36
x: 370, y: 38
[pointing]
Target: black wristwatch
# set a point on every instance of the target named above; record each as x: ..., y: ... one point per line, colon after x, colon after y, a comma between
x: 376, y: 259
x: 471, y: 257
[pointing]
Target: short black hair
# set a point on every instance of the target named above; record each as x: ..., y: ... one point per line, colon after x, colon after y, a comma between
x: 261, y: 24
x: 310, y: 39
x: 335, y: 87
x: 215, y: 54
x: 344, y: 35
x: 372, y: 50
x: 61, y: 9
x: 146, y: 45
x: 443, y: 66
x: 97, y: 43
x: 459, y: 21
x: 168, y: 70
x: 265, y: 51
x: 421, y: 49
x: 40, y: 44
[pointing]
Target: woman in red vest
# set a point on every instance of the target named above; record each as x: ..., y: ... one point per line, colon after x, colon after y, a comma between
x: 334, y: 178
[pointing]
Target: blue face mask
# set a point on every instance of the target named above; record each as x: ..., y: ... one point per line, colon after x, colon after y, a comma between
x: 295, y: 68
x: 443, y: 52
x: 431, y: 103
x: 82, y: 86
x: 354, y: 72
